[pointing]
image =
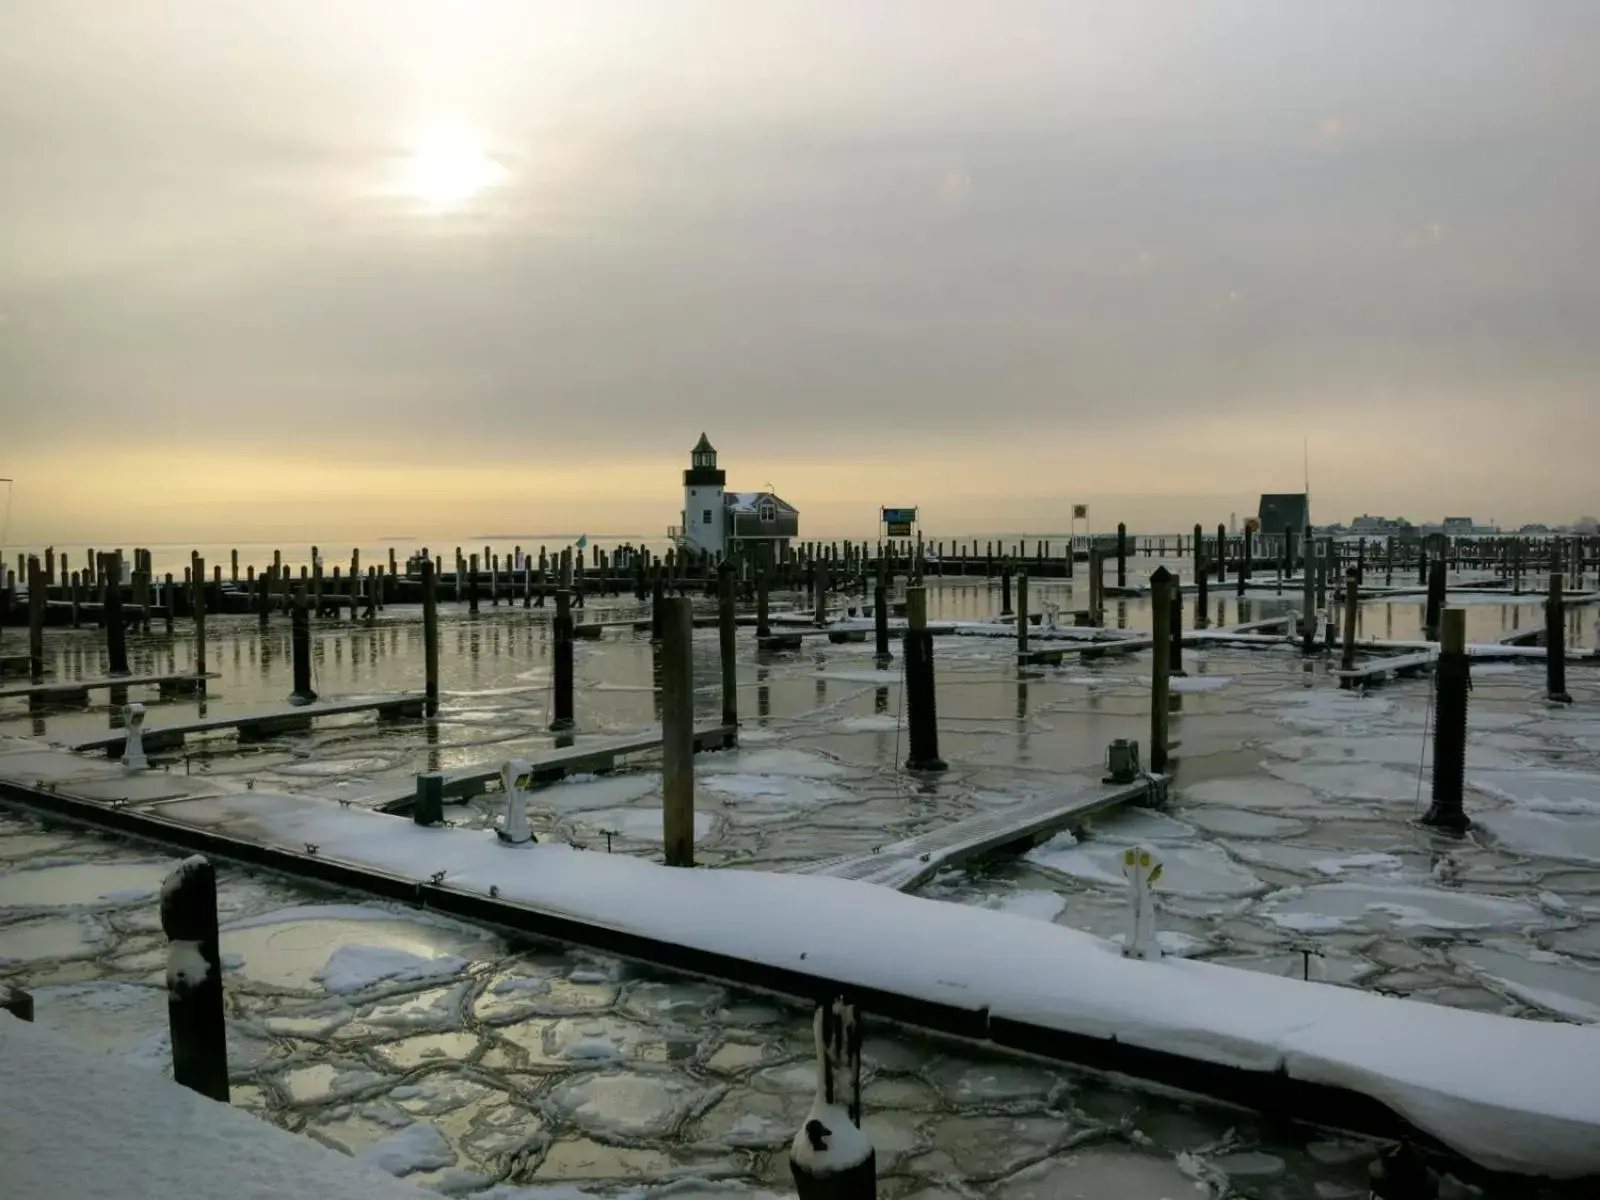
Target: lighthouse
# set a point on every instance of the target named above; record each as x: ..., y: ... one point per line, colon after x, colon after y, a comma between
x: 704, y: 510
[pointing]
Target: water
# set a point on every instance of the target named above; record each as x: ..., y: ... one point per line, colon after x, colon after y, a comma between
x: 1288, y: 845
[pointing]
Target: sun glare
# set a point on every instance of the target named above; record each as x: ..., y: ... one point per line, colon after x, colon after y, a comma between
x: 447, y: 168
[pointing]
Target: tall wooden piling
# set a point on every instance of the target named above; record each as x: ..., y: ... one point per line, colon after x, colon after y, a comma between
x: 561, y: 629
x: 763, y: 606
x: 1436, y: 598
x: 472, y: 586
x: 1245, y: 550
x: 1352, y: 601
x: 1022, y: 612
x: 199, y: 614
x: 922, y: 713
x: 116, y: 631
x: 1005, y: 588
x: 1122, y: 554
x: 1175, y: 630
x: 430, y: 638
x: 1222, y: 553
x: 727, y: 645
x: 677, y: 731
x: 36, y: 602
x: 1161, y: 596
x: 1555, y: 643
x: 300, y: 647
x: 195, y: 1014
x: 1452, y: 683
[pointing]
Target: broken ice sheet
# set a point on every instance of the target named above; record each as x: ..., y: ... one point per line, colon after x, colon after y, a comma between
x: 1548, y: 981
x: 628, y: 1104
x: 1387, y: 905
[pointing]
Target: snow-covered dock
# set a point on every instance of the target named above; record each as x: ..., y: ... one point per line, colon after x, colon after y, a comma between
x: 87, y: 1126
x: 399, y: 704
x: 1508, y: 1094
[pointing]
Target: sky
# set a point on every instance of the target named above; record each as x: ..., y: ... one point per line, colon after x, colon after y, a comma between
x: 274, y: 270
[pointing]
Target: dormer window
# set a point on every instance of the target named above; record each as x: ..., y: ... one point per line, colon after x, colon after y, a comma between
x: 767, y: 511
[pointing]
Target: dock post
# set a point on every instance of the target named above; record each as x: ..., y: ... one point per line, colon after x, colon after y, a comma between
x: 677, y: 731
x: 562, y: 629
x: 727, y: 647
x: 1422, y: 565
x: 1452, y: 682
x: 1022, y: 612
x: 428, y: 809
x: 36, y: 599
x: 1222, y: 553
x: 1308, y: 621
x: 830, y: 1157
x: 194, y: 979
x: 1347, y: 651
x: 658, y: 598
x: 472, y: 586
x: 1436, y: 597
x: 820, y: 596
x: 763, y: 607
x: 1160, y: 667
x: 300, y: 646
x: 1122, y: 554
x: 921, y: 708
x: 1005, y: 588
x: 1246, y: 548
x: 430, y: 639
x: 1555, y: 644
x: 200, y: 627
x: 1175, y: 630
x: 116, y: 631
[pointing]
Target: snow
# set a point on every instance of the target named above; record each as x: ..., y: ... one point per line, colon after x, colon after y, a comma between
x: 353, y: 967
x: 844, y: 1147
x: 1522, y: 1100
x: 1197, y: 871
x: 1326, y: 907
x: 419, y: 1147
x: 1548, y: 981
x: 1543, y: 835
x: 187, y: 968
x: 1571, y: 792
x: 92, y: 1128
x: 180, y: 875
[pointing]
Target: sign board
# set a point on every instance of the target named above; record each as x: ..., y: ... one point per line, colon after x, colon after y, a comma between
x: 1080, y: 512
x: 898, y: 521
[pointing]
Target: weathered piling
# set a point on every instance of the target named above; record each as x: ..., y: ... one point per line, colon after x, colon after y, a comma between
x: 1161, y: 596
x: 1175, y: 630
x: 1122, y: 554
x: 116, y: 631
x: 430, y: 639
x: 880, y: 620
x: 1436, y: 597
x: 727, y: 646
x: 921, y: 710
x: 1222, y: 553
x: 561, y: 630
x: 1308, y: 620
x: 1555, y: 643
x: 199, y: 614
x: 36, y: 602
x: 820, y: 594
x: 658, y: 599
x: 1452, y: 682
x: 1022, y: 612
x: 1005, y: 588
x: 830, y: 1157
x: 300, y: 647
x: 763, y: 606
x: 677, y: 731
x: 1352, y: 600
x: 1244, y: 561
x: 472, y: 586
x: 194, y: 979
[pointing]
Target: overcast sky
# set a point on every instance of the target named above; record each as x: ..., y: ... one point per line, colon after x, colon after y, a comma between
x: 270, y: 269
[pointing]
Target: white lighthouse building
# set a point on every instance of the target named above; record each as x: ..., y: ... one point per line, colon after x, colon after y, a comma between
x: 717, y: 522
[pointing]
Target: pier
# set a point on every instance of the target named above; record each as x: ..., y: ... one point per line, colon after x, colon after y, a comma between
x: 253, y: 725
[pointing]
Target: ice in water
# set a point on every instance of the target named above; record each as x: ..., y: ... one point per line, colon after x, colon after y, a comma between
x: 1324, y: 908
x: 1099, y: 1172
x: 628, y: 1104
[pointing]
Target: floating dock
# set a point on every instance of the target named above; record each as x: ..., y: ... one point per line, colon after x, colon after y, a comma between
x: 79, y: 689
x: 267, y: 724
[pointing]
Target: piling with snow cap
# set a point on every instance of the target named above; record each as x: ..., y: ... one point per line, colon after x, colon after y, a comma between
x: 1452, y: 682
x: 922, y: 713
x: 830, y: 1157
x: 516, y: 779
x: 194, y: 979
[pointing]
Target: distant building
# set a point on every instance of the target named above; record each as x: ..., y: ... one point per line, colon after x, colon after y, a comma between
x: 719, y: 523
x: 1370, y: 526
x: 1284, y: 510
x: 1534, y: 528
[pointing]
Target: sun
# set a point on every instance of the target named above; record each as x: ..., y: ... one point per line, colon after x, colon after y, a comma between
x: 447, y: 168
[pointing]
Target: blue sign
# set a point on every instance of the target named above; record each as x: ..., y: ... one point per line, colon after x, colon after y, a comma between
x: 899, y: 516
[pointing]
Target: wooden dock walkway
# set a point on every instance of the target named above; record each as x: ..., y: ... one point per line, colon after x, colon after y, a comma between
x: 907, y: 864
x: 598, y: 755
x: 1377, y: 670
x: 80, y: 688
x: 260, y: 725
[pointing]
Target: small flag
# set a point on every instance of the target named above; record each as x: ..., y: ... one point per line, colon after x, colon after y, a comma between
x: 583, y: 540
x: 1080, y: 512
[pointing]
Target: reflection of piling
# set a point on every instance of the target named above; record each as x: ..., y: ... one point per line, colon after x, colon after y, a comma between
x: 1436, y: 594
x: 300, y: 645
x: 194, y: 979
x: 1352, y: 592
x: 921, y: 710
x: 562, y: 627
x: 1161, y: 596
x: 1452, y: 683
x: 1555, y: 643
x: 677, y: 731
x: 726, y: 646
x: 430, y: 638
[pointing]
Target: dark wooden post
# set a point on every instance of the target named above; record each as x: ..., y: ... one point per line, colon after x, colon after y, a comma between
x: 1246, y: 549
x: 562, y: 629
x: 472, y: 586
x: 1555, y: 643
x: 300, y: 647
x: 1436, y: 597
x: 1222, y: 553
x: 1352, y: 594
x: 430, y: 638
x: 921, y: 709
x: 1160, y: 666
x: 830, y: 1158
x: 727, y: 646
x: 1452, y: 682
x: 1022, y: 612
x: 200, y: 625
x: 36, y: 602
x: 116, y: 631
x: 763, y: 618
x: 1122, y: 554
x: 194, y: 979
x: 1005, y: 588
x: 1176, y: 628
x: 677, y: 731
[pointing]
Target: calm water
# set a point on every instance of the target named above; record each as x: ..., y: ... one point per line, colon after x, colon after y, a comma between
x: 1292, y: 813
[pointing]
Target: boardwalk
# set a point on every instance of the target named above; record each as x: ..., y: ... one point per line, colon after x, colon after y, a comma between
x: 268, y: 724
x: 80, y: 688
x: 907, y: 864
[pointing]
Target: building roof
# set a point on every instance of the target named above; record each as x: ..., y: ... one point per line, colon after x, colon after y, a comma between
x: 748, y: 502
x: 703, y: 446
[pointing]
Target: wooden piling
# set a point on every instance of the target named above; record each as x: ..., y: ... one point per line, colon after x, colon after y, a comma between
x: 195, y: 1014
x: 430, y: 638
x: 921, y: 708
x: 1436, y: 599
x: 1452, y: 683
x: 1022, y: 612
x: 1555, y: 643
x: 472, y: 585
x: 1222, y: 553
x: 1161, y: 596
x: 36, y: 609
x: 116, y: 631
x: 1352, y: 601
x: 200, y: 626
x: 300, y: 647
x: 677, y: 731
x: 561, y: 629
x: 1122, y: 554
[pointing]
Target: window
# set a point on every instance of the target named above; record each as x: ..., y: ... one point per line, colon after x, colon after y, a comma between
x: 705, y: 517
x: 768, y: 512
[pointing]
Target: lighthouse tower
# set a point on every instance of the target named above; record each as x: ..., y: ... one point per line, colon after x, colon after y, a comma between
x: 705, y: 516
